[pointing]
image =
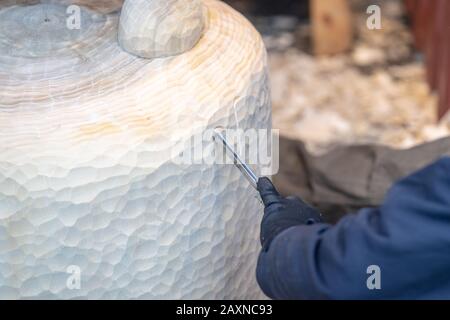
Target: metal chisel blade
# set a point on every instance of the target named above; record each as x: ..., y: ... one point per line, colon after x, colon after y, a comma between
x: 238, y: 162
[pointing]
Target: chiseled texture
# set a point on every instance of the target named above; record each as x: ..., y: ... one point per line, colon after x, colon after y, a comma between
x: 160, y: 28
x: 87, y: 177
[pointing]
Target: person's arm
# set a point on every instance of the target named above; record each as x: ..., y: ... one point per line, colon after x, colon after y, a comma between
x: 407, y: 238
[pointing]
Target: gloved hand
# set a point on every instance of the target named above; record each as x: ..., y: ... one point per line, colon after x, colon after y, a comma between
x: 282, y: 213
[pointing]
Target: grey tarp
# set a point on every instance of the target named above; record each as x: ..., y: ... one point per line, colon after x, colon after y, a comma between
x: 351, y: 177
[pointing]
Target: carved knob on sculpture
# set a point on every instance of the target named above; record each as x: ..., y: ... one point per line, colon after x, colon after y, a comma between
x: 160, y: 28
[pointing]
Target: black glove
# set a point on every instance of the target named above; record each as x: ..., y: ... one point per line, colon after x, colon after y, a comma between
x: 282, y: 213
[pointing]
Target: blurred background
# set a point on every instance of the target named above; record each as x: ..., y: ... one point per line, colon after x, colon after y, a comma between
x: 337, y: 82
x: 360, y: 92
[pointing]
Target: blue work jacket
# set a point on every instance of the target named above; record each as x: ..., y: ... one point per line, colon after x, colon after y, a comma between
x: 400, y: 250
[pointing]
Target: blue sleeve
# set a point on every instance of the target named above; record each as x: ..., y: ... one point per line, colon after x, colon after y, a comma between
x: 408, y: 238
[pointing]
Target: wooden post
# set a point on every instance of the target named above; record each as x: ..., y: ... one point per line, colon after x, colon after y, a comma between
x: 332, y: 26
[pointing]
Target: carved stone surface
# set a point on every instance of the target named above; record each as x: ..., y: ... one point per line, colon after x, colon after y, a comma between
x: 160, y: 28
x: 87, y: 176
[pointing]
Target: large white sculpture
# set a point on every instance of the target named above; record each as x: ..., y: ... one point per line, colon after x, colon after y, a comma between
x: 89, y: 190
